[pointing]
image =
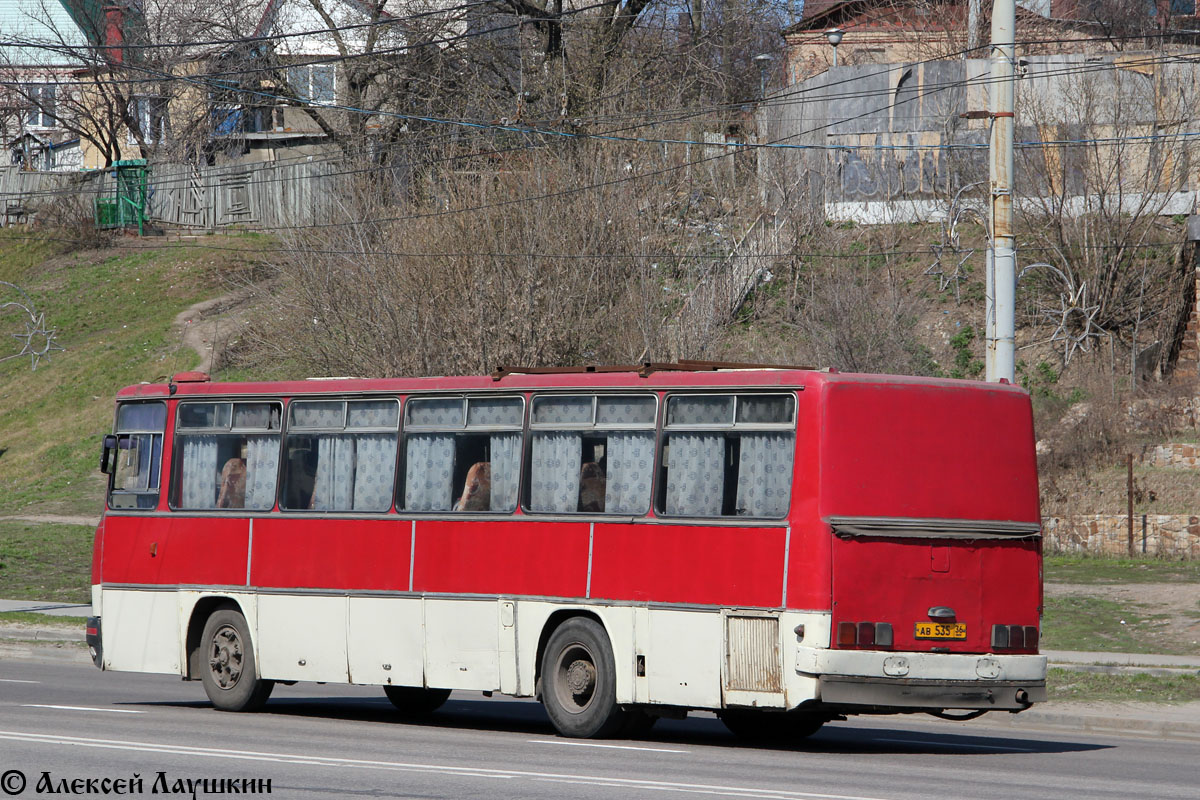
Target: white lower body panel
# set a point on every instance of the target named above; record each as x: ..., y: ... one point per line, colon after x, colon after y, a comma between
x: 679, y: 657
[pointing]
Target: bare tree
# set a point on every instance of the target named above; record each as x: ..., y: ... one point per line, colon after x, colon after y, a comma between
x: 1101, y: 193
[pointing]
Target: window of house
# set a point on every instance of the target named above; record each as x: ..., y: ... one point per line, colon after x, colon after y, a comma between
x: 150, y: 116
x: 227, y: 455
x: 462, y: 454
x: 43, y: 103
x: 341, y: 455
x: 314, y: 83
x: 727, y: 455
x: 592, y: 453
x: 135, y: 477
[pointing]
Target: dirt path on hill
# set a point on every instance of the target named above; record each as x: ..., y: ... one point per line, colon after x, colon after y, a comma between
x: 208, y: 325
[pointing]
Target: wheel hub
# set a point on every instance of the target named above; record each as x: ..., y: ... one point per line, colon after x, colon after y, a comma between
x: 225, y: 661
x: 581, y: 677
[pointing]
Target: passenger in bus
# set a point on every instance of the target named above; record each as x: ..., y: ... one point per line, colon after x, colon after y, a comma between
x: 477, y: 489
x: 591, y: 487
x: 233, y: 483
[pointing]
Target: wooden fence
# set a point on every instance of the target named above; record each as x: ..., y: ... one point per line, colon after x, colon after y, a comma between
x: 259, y: 196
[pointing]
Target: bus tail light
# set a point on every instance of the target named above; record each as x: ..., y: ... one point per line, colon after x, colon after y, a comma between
x: 1014, y: 637
x: 864, y: 634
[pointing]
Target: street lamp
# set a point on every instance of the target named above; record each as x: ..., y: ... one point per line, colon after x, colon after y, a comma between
x: 764, y: 63
x: 834, y: 35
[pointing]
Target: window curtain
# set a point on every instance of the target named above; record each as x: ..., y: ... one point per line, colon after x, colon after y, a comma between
x: 764, y: 474
x: 262, y: 470
x: 374, y: 471
x: 554, y: 479
x: 199, y: 487
x: 428, y: 469
x: 333, y: 488
x: 696, y: 474
x: 630, y: 465
x: 506, y: 470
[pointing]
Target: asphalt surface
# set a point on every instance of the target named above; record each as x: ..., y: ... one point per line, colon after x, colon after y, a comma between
x: 72, y: 722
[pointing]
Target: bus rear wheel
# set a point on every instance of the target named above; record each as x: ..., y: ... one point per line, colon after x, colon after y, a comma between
x: 762, y: 726
x: 579, y: 681
x: 416, y: 701
x: 228, y: 671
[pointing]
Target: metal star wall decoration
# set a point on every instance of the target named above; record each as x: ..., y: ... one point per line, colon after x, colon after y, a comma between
x: 950, y: 244
x: 1076, y: 322
x: 37, y: 341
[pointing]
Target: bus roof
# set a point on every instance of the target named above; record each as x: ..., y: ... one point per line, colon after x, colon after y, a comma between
x: 585, y: 378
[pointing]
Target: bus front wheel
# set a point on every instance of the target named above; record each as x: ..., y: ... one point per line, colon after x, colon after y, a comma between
x: 579, y: 683
x: 416, y: 701
x: 228, y: 670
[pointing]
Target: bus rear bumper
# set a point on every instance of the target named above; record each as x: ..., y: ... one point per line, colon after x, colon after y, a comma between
x: 884, y: 680
x: 879, y: 694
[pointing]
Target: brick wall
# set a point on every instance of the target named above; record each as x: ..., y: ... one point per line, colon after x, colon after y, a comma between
x: 1184, y: 456
x: 1166, y: 535
x: 1188, y: 364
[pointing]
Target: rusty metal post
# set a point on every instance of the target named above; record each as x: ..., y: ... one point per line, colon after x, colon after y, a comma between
x: 1129, y: 497
x: 1001, y: 261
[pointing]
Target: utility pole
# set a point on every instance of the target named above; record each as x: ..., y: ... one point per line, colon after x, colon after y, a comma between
x: 1001, y: 256
x: 972, y: 27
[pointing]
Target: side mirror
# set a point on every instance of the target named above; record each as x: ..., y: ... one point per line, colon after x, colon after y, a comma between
x: 108, y: 465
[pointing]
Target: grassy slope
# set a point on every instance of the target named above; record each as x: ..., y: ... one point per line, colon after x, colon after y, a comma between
x: 40, y: 561
x: 113, y: 311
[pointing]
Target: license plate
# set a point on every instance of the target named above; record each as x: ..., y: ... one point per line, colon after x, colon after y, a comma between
x: 941, y: 630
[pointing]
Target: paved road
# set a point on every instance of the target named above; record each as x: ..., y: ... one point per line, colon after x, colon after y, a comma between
x: 75, y: 722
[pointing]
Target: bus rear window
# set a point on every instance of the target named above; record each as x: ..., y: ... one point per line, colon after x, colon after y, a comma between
x: 727, y: 456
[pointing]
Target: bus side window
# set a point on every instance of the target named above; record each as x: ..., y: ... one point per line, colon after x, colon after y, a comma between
x: 728, y: 455
x: 136, y: 471
x: 592, y: 454
x: 341, y: 455
x: 463, y: 454
x: 227, y: 455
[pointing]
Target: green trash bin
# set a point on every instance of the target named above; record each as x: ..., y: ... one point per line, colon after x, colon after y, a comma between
x: 106, y: 214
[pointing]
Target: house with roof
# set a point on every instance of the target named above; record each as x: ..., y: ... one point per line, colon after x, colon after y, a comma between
x: 893, y: 31
x: 898, y: 130
x: 40, y: 48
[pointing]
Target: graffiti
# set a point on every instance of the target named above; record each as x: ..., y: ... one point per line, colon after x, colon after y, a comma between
x: 891, y: 176
x: 37, y: 341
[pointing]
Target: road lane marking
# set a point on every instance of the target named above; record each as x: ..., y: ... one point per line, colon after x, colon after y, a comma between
x: 14, y: 680
x: 609, y: 746
x: 960, y: 744
x: 626, y: 784
x: 83, y: 708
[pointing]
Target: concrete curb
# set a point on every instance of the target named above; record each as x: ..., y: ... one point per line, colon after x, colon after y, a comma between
x: 1109, y: 669
x: 58, y: 653
x: 1055, y: 720
x: 40, y: 634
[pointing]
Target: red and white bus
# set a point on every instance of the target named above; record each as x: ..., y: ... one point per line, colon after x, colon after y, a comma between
x: 781, y: 546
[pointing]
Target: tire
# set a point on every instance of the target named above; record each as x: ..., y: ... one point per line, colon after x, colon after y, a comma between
x: 227, y: 666
x: 770, y: 726
x: 415, y: 701
x: 579, y: 681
